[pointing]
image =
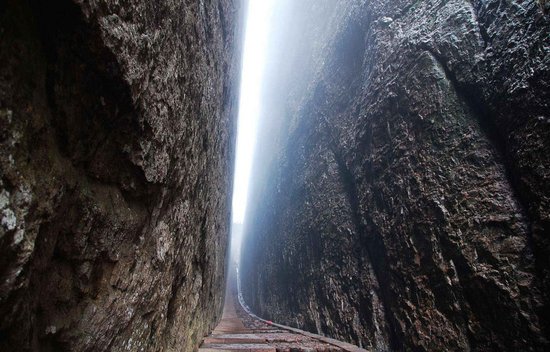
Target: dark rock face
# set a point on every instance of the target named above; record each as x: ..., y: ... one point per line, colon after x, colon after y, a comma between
x: 116, y: 151
x: 406, y: 202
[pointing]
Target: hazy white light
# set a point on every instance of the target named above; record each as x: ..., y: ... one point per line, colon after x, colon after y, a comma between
x: 254, y: 58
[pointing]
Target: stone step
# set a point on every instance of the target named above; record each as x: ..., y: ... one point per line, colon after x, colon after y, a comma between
x: 234, y: 347
x: 238, y: 330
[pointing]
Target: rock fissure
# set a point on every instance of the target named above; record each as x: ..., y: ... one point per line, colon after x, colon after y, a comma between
x: 399, y: 194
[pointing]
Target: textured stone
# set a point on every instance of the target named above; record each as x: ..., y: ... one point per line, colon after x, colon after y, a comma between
x: 117, y: 126
x: 404, y: 204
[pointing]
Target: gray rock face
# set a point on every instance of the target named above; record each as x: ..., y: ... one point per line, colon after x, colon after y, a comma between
x: 405, y: 205
x: 117, y: 126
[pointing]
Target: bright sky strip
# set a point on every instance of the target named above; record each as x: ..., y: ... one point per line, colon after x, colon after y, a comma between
x: 254, y: 58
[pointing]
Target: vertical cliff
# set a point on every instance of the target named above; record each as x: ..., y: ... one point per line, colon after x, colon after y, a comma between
x: 404, y: 202
x: 117, y: 126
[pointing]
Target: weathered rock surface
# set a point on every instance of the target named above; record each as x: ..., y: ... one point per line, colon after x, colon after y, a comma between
x: 405, y: 203
x: 117, y: 122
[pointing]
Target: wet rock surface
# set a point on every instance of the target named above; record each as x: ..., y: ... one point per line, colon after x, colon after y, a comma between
x: 117, y: 126
x: 406, y: 202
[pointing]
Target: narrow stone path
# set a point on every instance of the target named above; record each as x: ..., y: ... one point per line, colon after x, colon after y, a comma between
x: 239, y: 330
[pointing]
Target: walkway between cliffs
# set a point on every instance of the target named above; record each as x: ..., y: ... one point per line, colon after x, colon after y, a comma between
x: 241, y: 330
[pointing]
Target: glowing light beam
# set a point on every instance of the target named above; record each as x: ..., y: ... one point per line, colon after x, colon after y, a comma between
x: 254, y: 59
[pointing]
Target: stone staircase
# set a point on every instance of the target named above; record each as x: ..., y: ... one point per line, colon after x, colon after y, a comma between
x: 240, y: 330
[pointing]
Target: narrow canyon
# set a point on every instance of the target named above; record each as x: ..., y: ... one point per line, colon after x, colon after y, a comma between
x: 398, y: 197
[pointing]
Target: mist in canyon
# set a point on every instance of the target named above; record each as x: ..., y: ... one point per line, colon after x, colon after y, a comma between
x: 400, y: 180
x: 274, y: 175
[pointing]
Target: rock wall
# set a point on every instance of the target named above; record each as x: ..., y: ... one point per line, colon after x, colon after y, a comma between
x: 402, y: 178
x: 117, y: 128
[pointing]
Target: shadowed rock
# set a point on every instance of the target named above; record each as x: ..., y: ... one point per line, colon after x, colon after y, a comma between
x: 404, y: 202
x: 117, y: 125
